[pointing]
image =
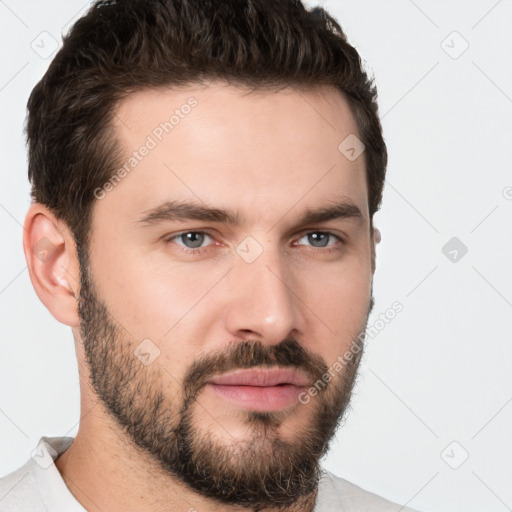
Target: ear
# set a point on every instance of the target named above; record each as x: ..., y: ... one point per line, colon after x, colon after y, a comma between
x: 376, y: 238
x: 52, y: 261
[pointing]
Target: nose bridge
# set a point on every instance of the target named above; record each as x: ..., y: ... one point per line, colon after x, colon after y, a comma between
x: 263, y: 301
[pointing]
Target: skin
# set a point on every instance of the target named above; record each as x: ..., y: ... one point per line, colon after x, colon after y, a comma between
x: 269, y: 156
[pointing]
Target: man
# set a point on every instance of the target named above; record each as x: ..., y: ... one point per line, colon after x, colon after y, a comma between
x: 204, y: 178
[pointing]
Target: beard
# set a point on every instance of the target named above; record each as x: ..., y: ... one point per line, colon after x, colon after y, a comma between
x: 263, y: 471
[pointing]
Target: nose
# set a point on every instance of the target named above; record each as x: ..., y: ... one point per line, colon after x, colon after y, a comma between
x: 263, y: 303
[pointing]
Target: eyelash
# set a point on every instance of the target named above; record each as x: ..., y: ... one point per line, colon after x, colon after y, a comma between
x: 200, y: 250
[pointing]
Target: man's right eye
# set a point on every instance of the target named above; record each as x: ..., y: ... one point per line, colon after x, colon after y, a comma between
x: 190, y: 239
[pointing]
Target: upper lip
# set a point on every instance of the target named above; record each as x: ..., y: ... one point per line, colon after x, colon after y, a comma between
x: 261, y: 377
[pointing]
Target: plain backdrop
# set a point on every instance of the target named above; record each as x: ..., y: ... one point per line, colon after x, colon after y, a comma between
x: 431, y: 415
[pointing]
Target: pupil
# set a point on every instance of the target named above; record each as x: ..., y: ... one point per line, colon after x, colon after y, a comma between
x: 194, y: 239
x: 318, y: 239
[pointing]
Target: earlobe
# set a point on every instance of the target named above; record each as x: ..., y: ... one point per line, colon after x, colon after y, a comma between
x: 376, y: 238
x: 50, y: 253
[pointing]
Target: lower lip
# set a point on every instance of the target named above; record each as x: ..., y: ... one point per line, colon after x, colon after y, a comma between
x: 259, y: 398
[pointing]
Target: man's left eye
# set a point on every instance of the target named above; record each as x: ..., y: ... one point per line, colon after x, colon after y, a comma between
x: 320, y: 239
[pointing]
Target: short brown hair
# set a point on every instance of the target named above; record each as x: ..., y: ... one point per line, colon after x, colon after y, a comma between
x: 123, y: 46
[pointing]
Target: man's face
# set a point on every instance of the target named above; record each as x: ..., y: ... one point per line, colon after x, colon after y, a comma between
x: 172, y: 300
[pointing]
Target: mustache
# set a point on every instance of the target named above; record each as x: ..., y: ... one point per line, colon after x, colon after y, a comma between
x: 249, y: 354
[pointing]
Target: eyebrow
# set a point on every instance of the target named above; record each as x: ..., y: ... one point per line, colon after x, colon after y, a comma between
x: 170, y: 211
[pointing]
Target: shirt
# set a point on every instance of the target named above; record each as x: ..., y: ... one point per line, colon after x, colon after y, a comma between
x: 37, y: 486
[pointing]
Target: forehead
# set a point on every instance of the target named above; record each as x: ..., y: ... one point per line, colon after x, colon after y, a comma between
x: 259, y: 152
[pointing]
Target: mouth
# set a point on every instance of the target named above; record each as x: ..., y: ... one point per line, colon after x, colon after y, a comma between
x: 260, y: 389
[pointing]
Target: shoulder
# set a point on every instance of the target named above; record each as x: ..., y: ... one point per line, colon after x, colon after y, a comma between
x: 18, y: 491
x: 37, y: 485
x: 336, y: 494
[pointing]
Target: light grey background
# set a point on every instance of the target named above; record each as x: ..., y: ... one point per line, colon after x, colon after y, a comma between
x: 438, y: 373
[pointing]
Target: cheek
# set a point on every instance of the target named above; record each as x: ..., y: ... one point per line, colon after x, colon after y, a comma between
x: 149, y: 298
x: 175, y: 306
x: 338, y: 298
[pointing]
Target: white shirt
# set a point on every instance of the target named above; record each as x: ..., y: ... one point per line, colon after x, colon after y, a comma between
x: 38, y: 486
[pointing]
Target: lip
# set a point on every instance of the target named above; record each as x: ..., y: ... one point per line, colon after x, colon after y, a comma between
x: 261, y: 377
x: 258, y: 389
